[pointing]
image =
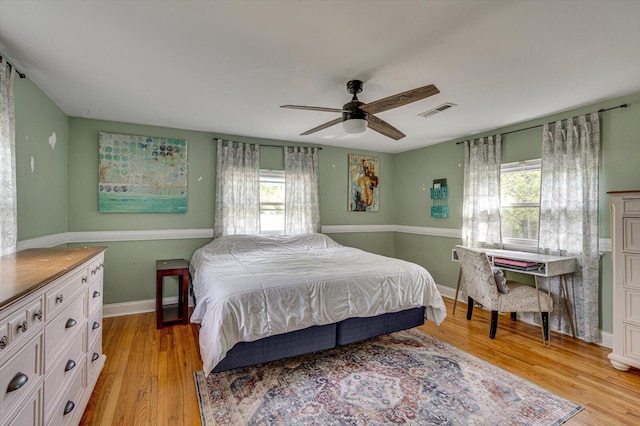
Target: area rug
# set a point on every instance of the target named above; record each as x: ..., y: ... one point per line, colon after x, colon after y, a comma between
x: 407, y: 377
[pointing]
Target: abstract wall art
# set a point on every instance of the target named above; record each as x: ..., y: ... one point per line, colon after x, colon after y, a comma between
x: 142, y: 174
x: 363, y: 184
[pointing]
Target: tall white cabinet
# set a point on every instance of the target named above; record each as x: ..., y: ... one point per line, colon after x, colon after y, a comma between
x: 50, y: 334
x: 625, y: 252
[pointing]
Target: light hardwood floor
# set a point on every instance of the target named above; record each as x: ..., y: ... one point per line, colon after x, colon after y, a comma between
x: 148, y: 377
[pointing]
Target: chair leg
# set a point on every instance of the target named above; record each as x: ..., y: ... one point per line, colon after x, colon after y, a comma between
x: 545, y: 325
x: 469, y: 307
x: 514, y: 316
x: 494, y: 324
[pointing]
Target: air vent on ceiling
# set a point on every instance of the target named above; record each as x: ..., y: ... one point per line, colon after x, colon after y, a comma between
x: 436, y: 110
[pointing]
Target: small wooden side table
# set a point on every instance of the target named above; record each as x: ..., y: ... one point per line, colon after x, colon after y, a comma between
x: 172, y: 314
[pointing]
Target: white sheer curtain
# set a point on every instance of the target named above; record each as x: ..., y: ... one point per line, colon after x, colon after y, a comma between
x: 569, y: 217
x: 302, y: 208
x: 8, y: 206
x: 237, y: 208
x: 481, y: 199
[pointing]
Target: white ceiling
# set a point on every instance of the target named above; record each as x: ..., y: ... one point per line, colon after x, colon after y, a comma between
x: 227, y: 66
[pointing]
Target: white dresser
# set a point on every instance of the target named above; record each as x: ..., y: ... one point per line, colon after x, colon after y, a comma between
x: 50, y: 334
x: 625, y: 252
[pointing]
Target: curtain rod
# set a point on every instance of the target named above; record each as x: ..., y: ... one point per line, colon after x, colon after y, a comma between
x: 540, y: 125
x: 273, y: 146
x: 20, y: 74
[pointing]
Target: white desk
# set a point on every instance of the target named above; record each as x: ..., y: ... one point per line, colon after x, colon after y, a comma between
x: 548, y: 266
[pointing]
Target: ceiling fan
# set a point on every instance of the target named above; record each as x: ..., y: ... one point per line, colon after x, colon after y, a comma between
x: 356, y: 115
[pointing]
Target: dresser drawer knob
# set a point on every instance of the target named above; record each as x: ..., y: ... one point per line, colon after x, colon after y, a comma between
x: 68, y: 407
x: 3, y: 342
x: 60, y: 298
x: 95, y: 356
x: 22, y: 326
x: 18, y: 381
x: 84, y: 279
x: 96, y: 294
x: 70, y: 323
x: 38, y: 315
x: 70, y: 365
x: 95, y: 325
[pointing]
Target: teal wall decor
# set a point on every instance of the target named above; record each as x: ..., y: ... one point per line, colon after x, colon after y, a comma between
x: 440, y: 199
x: 142, y: 174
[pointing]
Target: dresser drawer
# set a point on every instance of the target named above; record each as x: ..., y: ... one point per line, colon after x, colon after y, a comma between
x: 58, y: 332
x: 632, y: 342
x: 4, y: 338
x: 61, y: 374
x: 23, y: 324
x: 58, y: 298
x: 95, y: 268
x: 94, y: 327
x: 631, y: 277
x: 17, y: 329
x: 21, y: 373
x: 93, y: 359
x: 65, y: 412
x: 631, y: 237
x: 35, y: 313
x: 95, y: 295
x: 631, y: 206
x: 632, y: 306
x: 30, y: 413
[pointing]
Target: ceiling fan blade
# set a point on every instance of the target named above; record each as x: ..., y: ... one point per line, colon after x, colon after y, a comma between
x: 400, y: 99
x: 384, y: 128
x: 312, y: 108
x: 322, y: 126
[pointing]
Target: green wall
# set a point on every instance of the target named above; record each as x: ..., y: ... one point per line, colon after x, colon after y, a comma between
x: 60, y: 195
x: 42, y: 193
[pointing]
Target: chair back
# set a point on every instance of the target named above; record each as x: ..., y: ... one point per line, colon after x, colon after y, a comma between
x: 478, y: 277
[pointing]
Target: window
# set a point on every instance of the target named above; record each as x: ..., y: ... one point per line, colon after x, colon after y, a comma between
x: 272, y: 202
x: 520, y: 203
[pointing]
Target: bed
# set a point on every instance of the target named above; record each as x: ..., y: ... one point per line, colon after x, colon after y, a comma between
x: 261, y: 298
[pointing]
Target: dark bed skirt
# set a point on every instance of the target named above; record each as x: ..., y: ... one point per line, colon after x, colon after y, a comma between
x: 318, y: 338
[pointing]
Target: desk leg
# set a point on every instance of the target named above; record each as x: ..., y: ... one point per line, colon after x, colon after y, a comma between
x: 545, y: 342
x: 567, y: 302
x: 455, y: 301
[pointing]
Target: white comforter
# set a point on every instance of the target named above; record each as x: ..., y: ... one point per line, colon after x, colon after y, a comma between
x: 248, y: 287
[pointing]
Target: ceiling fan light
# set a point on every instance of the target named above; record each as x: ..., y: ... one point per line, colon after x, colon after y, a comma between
x: 354, y: 125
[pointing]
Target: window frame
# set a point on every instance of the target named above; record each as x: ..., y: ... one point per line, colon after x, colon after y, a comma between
x: 521, y: 244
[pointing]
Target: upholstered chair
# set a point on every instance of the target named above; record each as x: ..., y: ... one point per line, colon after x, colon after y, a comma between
x: 481, y: 286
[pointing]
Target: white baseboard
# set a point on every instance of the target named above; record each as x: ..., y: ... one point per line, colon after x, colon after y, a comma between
x: 606, y: 339
x: 137, y: 307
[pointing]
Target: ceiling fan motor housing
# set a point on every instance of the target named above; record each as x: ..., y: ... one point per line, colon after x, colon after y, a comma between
x: 354, y: 111
x: 353, y: 108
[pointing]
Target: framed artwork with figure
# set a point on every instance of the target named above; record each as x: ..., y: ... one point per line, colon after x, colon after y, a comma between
x: 364, y: 180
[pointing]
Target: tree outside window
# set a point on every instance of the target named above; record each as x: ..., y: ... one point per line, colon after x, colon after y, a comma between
x: 520, y: 202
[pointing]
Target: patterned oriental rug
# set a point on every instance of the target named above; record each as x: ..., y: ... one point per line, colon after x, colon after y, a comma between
x: 407, y: 377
